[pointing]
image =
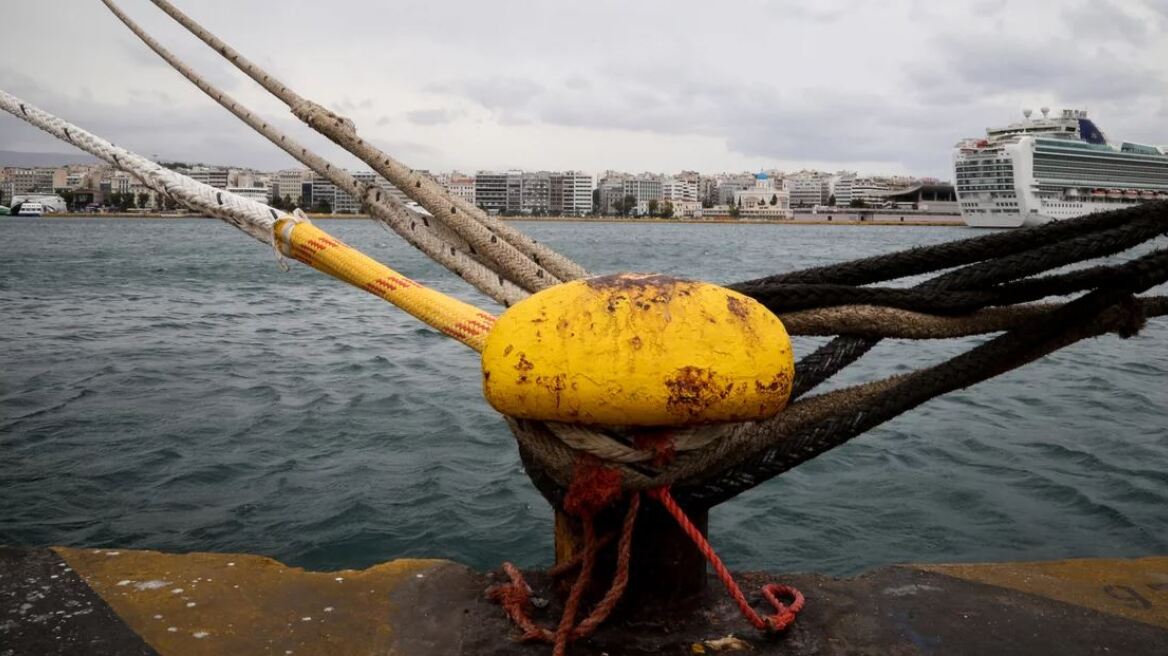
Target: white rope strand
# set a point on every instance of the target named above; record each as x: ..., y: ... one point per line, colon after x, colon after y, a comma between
x: 532, y: 265
x: 256, y: 219
x: 431, y: 237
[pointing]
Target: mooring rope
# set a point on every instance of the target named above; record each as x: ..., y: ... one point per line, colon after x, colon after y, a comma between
x: 433, y: 238
x: 749, y: 453
x: 256, y: 219
x: 521, y: 258
x: 292, y: 235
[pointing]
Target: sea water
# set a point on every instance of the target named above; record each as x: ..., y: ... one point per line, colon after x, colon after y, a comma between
x: 165, y: 385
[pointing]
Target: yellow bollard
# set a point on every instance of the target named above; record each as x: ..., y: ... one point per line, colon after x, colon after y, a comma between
x: 638, y: 350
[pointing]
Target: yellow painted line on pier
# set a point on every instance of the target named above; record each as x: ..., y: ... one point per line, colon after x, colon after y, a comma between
x: 1136, y: 588
x: 202, y: 603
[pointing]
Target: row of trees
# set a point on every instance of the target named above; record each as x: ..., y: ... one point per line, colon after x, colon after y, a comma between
x: 625, y: 206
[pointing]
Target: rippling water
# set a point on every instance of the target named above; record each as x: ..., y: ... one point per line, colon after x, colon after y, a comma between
x: 164, y: 385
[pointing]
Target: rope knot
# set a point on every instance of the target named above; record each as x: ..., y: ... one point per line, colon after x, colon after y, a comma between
x: 594, y: 487
x: 785, y: 615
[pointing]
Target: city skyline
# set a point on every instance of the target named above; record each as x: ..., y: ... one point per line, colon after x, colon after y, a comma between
x: 499, y: 86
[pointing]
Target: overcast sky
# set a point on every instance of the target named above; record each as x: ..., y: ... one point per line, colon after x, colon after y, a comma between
x: 879, y: 87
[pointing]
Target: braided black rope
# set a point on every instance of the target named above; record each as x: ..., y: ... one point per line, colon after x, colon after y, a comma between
x: 1034, y: 339
x: 938, y: 301
x: 925, y: 259
x: 1049, y: 246
x: 994, y: 269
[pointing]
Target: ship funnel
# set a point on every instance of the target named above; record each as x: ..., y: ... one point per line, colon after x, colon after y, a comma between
x: 1045, y: 111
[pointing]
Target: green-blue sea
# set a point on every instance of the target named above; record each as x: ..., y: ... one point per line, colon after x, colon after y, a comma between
x: 165, y: 385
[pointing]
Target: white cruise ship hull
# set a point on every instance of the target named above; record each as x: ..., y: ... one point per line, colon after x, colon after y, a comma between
x: 1031, y: 180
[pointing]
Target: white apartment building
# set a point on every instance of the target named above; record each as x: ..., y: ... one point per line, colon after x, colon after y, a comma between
x: 842, y: 189
x: 289, y: 183
x: 571, y: 193
x: 808, y: 189
x: 866, y: 189
x: 678, y: 191
x: 258, y: 194
x: 644, y: 188
x: 459, y: 185
x: 208, y: 175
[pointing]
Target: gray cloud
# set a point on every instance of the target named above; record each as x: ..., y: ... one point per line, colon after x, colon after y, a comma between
x: 1106, y: 20
x: 432, y: 116
x: 606, y: 83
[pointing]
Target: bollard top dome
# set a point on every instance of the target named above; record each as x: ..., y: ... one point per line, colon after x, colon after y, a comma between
x: 638, y: 350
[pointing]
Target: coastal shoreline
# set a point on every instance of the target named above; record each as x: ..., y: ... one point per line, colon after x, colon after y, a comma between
x: 930, y: 221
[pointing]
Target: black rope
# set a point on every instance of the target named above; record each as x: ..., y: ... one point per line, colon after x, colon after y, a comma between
x: 1025, y: 344
x: 998, y: 269
x: 1077, y: 240
x: 814, y: 369
x: 925, y: 259
x: 942, y: 301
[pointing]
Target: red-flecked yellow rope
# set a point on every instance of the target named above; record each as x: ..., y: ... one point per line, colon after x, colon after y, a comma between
x: 319, y: 250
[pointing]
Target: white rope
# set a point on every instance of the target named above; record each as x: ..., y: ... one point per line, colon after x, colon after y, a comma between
x: 431, y: 237
x: 256, y: 219
x: 522, y: 259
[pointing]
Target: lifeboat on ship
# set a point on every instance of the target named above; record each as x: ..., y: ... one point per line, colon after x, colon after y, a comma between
x: 1115, y: 194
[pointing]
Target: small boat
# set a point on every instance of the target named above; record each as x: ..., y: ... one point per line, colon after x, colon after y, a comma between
x: 30, y: 209
x: 4, y: 211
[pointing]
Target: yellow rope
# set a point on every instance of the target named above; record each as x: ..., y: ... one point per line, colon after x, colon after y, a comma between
x: 319, y: 250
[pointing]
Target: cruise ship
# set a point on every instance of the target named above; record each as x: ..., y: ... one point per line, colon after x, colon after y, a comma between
x: 1055, y: 167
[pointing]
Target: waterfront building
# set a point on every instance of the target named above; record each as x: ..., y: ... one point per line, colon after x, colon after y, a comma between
x: 842, y: 189
x: 258, y: 194
x: 324, y: 192
x: 868, y: 189
x: 371, y: 178
x: 499, y: 192
x: 763, y: 200
x: 289, y: 184
x: 535, y: 193
x: 209, y: 175
x: 610, y: 190
x: 19, y: 180
x: 459, y: 185
x: 808, y: 188
x: 571, y: 193
x: 678, y: 191
x: 729, y: 185
x: 644, y: 188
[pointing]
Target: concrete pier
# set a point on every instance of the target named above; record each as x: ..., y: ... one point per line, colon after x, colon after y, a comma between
x: 109, y: 601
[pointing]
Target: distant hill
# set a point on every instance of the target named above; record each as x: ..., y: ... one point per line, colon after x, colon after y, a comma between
x: 15, y: 158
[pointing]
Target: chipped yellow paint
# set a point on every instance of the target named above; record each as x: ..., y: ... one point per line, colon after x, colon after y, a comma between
x: 202, y: 603
x: 1136, y: 589
x: 638, y: 350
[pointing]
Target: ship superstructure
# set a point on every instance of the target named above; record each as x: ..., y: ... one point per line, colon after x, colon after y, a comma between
x: 1054, y: 167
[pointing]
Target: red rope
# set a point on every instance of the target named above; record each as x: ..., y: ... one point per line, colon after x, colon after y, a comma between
x: 515, y: 596
x: 784, y: 614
